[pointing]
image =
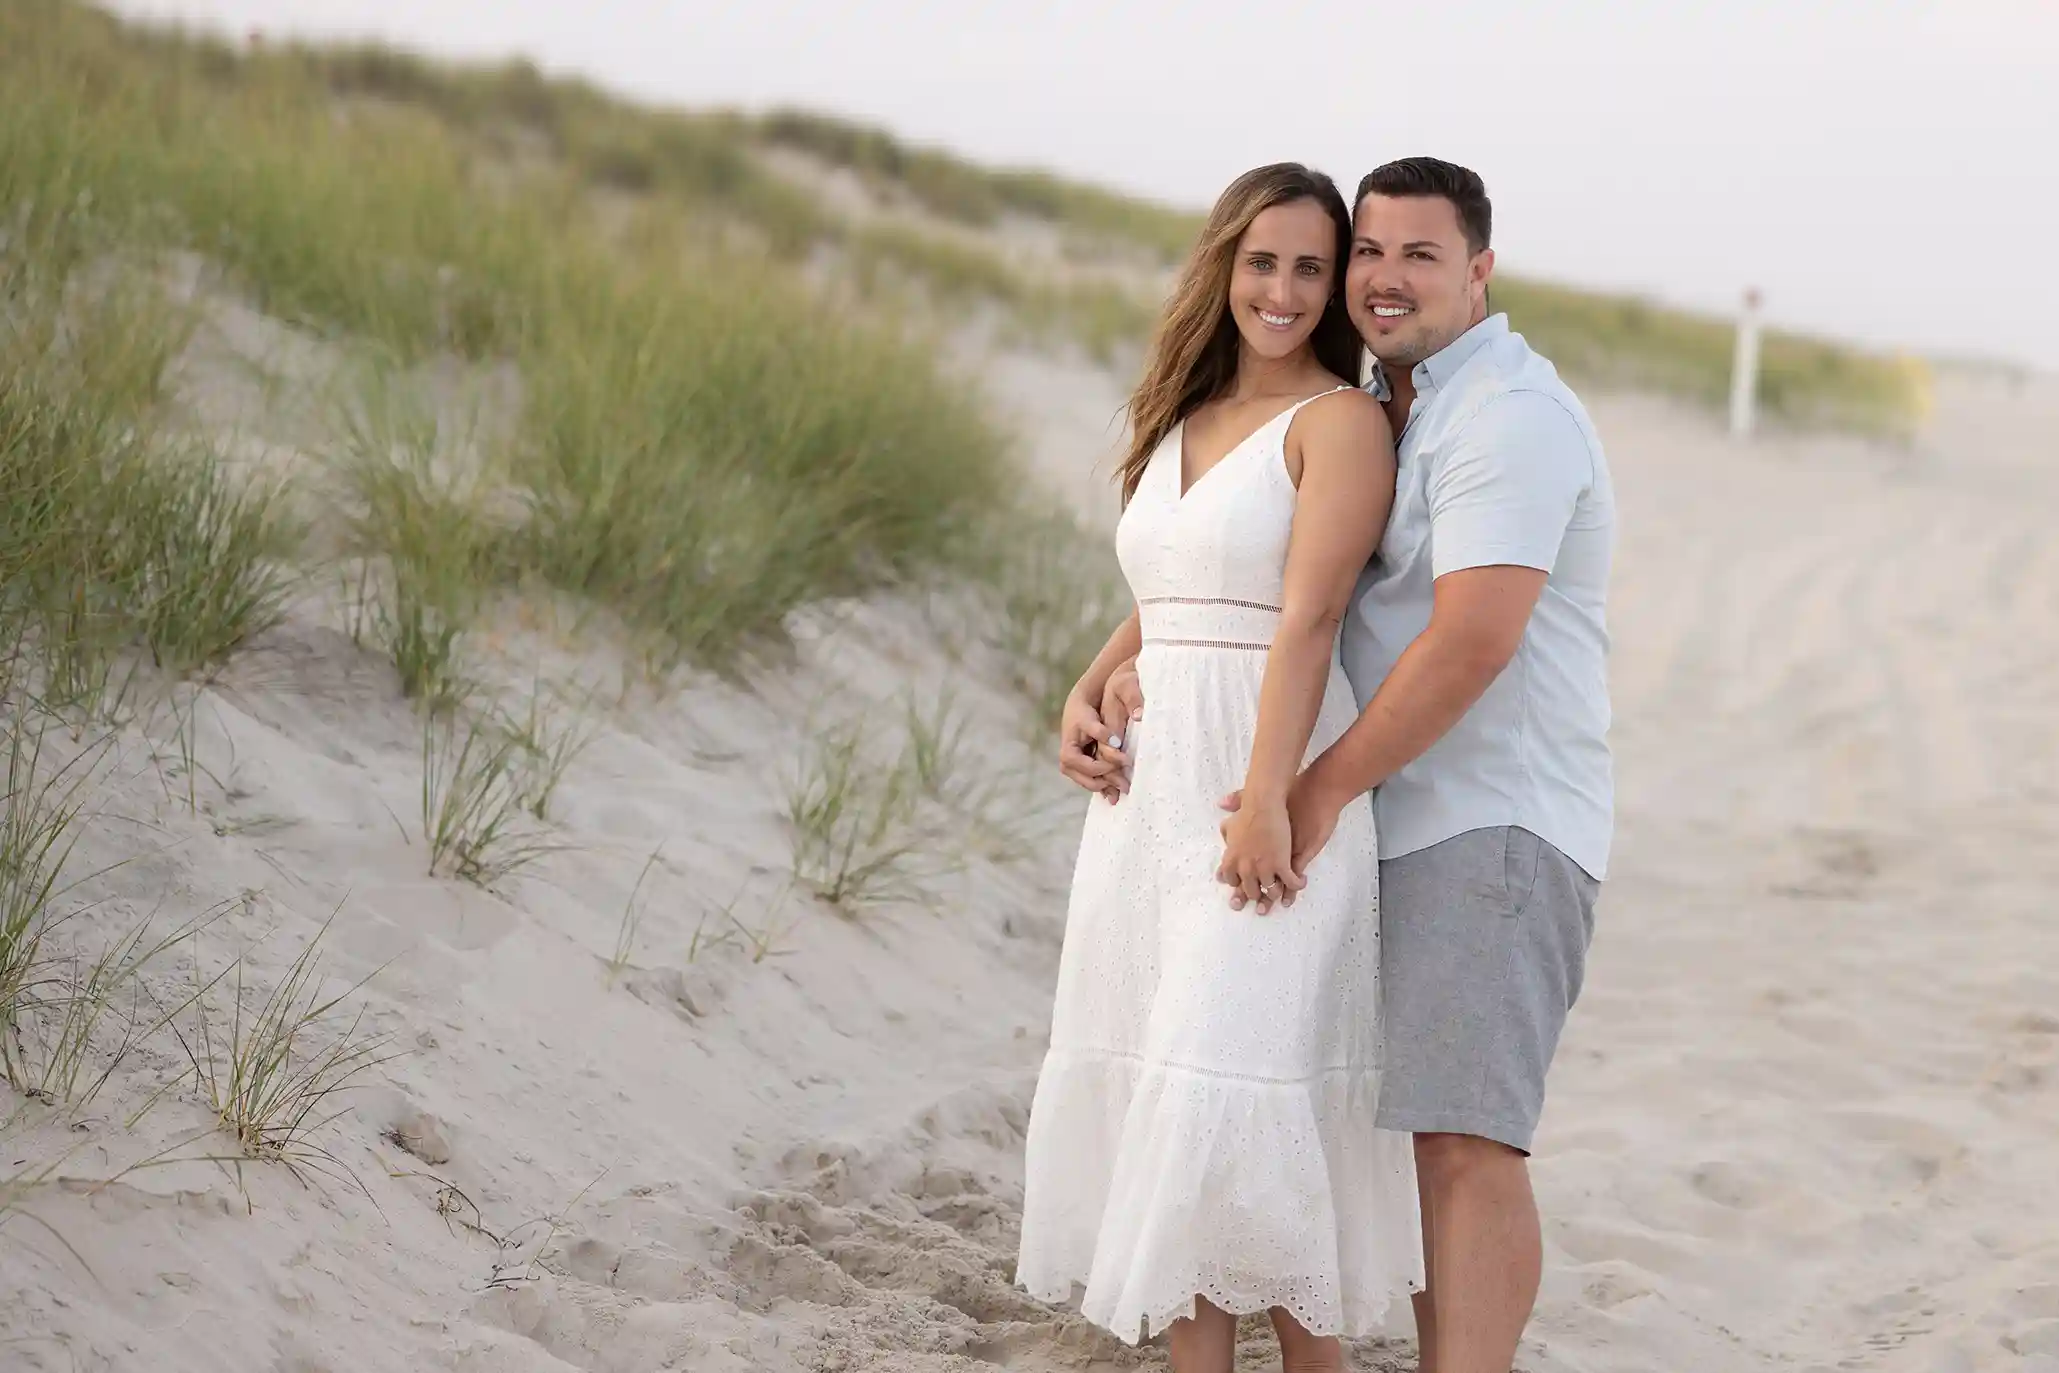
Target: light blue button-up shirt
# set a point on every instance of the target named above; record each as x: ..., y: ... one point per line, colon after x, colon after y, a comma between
x: 1499, y: 465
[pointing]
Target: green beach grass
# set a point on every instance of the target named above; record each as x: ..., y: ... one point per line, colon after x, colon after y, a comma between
x: 1628, y: 342
x: 701, y: 446
x: 570, y: 136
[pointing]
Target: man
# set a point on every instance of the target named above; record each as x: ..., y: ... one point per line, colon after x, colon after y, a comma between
x: 1477, y: 649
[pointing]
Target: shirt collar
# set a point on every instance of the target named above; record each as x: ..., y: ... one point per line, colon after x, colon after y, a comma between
x: 1439, y: 368
x: 1376, y: 384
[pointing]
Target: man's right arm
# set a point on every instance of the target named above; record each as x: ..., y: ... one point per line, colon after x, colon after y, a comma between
x: 1500, y: 504
x: 1476, y: 625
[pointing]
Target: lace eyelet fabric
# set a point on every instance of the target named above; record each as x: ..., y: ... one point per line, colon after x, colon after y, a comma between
x: 1203, y: 1124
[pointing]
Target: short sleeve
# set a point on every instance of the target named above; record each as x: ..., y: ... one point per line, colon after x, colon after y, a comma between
x: 1505, y: 491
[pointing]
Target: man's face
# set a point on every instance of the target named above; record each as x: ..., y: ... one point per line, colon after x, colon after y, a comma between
x: 1412, y: 284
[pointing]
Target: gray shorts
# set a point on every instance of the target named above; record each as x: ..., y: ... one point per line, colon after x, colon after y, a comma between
x: 1483, y: 943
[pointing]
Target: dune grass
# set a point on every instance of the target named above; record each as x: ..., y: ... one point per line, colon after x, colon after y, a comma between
x: 632, y: 921
x: 1100, y: 315
x: 273, y: 1073
x: 90, y: 1014
x: 703, y: 158
x: 1056, y: 595
x: 379, y: 257
x: 478, y: 794
x: 938, y: 733
x: 960, y: 190
x: 124, y: 544
x: 256, y: 175
x: 416, y: 524
x: 41, y: 816
x: 69, y: 1016
x: 857, y: 836
x: 699, y: 446
x: 117, y: 532
x: 706, y: 459
x: 548, y: 743
x: 881, y: 806
x: 488, y: 776
x: 1632, y: 342
x: 707, y: 158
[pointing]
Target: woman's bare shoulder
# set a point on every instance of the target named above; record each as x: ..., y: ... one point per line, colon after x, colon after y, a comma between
x: 1349, y: 418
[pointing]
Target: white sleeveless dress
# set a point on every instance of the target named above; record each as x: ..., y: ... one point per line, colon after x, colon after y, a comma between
x: 1204, y: 1119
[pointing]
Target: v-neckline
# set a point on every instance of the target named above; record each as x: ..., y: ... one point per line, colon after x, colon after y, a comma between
x: 1186, y: 488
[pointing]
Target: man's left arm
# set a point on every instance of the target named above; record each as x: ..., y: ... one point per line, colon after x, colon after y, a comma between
x: 1500, y: 503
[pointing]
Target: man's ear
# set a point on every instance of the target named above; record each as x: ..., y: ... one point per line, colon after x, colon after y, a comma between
x: 1481, y: 270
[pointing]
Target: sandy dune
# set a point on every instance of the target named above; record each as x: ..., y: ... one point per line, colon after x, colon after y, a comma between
x: 1805, y: 1117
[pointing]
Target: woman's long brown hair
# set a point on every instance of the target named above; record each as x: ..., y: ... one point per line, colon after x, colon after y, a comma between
x: 1194, y: 351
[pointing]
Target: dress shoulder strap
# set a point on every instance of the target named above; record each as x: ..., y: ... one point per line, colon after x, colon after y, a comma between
x: 1291, y: 411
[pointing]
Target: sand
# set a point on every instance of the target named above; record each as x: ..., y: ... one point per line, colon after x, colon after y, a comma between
x: 1806, y: 1115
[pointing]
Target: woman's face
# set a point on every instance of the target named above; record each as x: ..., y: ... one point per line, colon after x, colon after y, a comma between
x: 1281, y: 280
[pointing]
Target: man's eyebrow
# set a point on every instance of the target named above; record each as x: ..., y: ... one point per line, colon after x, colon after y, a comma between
x: 1416, y: 243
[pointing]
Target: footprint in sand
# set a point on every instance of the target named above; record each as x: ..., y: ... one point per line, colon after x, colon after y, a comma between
x: 1609, y: 1285
x: 1653, y: 1252
x: 1915, y: 1152
x: 1730, y: 1184
x: 2017, y: 1078
x: 2037, y: 1343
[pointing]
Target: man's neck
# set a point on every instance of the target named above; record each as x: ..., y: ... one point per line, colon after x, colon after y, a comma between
x: 1401, y: 381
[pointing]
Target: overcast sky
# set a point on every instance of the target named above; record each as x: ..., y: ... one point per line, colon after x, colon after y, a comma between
x: 1886, y: 170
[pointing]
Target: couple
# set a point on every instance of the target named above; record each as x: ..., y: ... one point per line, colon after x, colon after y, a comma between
x: 1300, y: 1037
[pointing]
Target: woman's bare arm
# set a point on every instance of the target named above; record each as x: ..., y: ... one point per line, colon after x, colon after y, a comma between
x: 1347, y: 487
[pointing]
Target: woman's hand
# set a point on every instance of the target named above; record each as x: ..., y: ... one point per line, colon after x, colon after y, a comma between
x: 1084, y: 753
x: 1312, y: 811
x: 1122, y: 700
x: 1122, y: 705
x: 1258, y: 852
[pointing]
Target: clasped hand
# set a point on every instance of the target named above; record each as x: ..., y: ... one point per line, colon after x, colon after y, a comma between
x: 1268, y: 845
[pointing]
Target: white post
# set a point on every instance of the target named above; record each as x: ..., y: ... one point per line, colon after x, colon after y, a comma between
x: 1744, y: 368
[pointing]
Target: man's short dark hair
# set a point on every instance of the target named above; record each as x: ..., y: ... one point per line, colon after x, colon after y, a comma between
x: 1427, y: 176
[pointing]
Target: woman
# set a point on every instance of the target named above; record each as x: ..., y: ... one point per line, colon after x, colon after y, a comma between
x: 1202, y: 1143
